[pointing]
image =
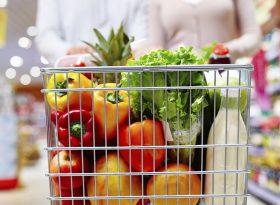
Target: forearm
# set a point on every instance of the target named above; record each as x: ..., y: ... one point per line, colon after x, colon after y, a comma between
x: 250, y: 35
x: 244, y: 46
x: 269, y: 25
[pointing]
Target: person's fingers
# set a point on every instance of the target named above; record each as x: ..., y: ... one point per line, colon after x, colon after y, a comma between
x: 85, y: 49
x: 89, y: 49
x: 82, y: 50
x: 78, y: 50
x: 70, y: 51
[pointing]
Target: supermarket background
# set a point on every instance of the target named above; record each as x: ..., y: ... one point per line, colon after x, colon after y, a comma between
x: 20, y: 83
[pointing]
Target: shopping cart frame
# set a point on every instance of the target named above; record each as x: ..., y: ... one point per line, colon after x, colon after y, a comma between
x: 243, y: 70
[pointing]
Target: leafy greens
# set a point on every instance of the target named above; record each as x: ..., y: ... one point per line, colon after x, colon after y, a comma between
x: 179, y: 107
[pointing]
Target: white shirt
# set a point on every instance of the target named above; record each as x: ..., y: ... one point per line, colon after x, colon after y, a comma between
x: 64, y: 23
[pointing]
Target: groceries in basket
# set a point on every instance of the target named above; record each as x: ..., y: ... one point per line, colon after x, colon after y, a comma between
x: 80, y: 131
x: 79, y: 192
x: 130, y: 136
x: 181, y: 108
x: 111, y: 111
x: 228, y: 128
x: 66, y: 100
x: 173, y: 184
x: 114, y: 184
x: 69, y: 162
x: 229, y: 78
x: 114, y: 51
x: 150, y: 133
x: 220, y: 55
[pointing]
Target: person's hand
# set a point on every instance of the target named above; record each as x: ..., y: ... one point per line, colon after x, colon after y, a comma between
x: 142, y: 47
x: 78, y: 50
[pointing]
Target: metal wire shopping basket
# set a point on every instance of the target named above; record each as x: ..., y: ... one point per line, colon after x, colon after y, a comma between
x: 146, y: 137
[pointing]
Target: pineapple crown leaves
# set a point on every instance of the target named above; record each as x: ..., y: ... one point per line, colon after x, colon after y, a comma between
x: 115, y: 51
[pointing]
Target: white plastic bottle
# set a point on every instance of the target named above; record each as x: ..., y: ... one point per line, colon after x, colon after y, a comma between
x: 228, y: 128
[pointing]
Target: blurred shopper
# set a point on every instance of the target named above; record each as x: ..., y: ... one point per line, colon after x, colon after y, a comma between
x: 201, y: 22
x: 63, y: 24
x: 274, y: 20
x: 269, y: 18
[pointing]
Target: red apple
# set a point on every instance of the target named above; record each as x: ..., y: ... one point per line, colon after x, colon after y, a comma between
x: 67, y: 193
x: 54, y: 152
x: 61, y: 164
x: 143, y: 202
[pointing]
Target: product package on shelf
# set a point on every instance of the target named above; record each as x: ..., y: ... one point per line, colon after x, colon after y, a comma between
x: 9, y: 160
x: 264, y: 158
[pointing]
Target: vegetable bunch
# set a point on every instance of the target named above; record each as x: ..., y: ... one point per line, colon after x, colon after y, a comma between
x: 180, y: 107
x: 159, y: 96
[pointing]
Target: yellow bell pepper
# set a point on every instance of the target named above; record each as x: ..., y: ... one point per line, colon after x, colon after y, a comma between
x: 59, y: 100
x: 110, y: 101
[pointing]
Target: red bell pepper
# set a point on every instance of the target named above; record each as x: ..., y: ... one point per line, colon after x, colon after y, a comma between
x: 55, y: 114
x: 79, y: 130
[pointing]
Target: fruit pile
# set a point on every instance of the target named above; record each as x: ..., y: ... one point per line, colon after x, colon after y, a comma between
x: 79, y: 128
x: 102, y: 151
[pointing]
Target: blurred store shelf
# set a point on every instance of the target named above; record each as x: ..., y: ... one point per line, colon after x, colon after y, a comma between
x: 263, y: 194
x: 34, y: 186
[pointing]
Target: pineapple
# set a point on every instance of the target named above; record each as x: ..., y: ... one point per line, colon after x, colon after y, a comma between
x: 115, y: 51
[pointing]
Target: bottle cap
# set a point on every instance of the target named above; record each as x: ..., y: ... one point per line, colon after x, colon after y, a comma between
x: 221, y: 50
x: 232, y: 93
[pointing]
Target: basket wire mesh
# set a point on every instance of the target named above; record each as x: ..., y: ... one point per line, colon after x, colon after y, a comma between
x: 103, y: 171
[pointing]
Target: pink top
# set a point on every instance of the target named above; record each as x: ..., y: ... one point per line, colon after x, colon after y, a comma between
x: 201, y: 22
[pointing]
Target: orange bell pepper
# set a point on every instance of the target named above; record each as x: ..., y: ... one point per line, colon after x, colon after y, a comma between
x: 106, y: 104
x: 59, y: 100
